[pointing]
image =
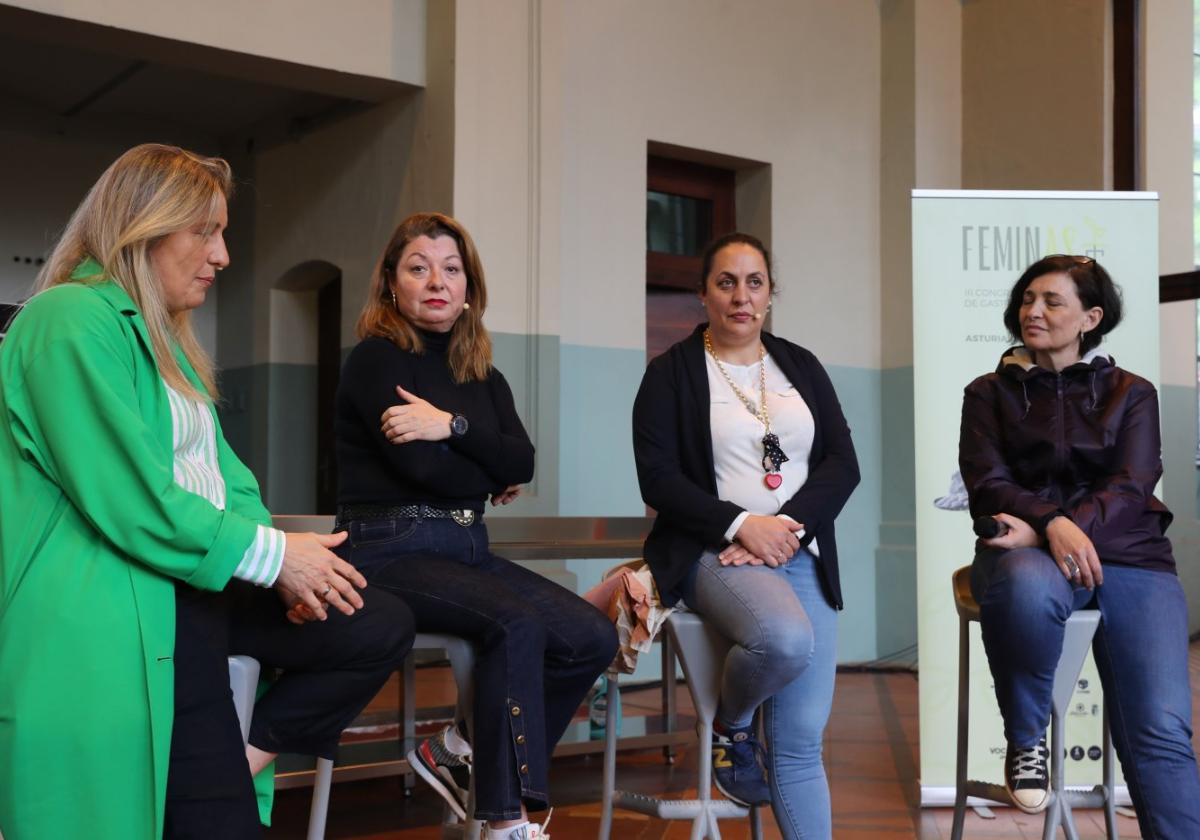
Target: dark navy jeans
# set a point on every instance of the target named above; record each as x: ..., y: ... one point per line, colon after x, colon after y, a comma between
x: 538, y: 646
x: 1141, y: 652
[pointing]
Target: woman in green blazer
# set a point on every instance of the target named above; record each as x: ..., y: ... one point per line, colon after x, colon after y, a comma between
x: 135, y: 551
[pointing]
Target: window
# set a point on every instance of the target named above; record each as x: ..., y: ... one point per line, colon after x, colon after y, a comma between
x: 687, y: 205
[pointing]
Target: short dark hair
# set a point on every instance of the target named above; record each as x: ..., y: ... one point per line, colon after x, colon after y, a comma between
x: 1092, y: 283
x: 735, y: 238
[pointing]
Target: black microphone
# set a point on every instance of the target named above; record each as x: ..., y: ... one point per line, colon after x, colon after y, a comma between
x: 989, y: 527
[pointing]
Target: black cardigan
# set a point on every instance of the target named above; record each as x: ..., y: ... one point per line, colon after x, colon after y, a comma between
x: 672, y: 444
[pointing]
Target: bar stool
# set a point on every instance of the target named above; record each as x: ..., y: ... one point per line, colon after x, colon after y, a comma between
x: 243, y: 682
x: 461, y: 654
x: 701, y: 651
x: 1081, y: 627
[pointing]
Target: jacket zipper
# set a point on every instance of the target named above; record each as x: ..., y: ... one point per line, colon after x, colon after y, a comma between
x: 1060, y: 418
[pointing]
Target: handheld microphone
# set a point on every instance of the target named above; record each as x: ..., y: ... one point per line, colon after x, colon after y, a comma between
x: 989, y: 527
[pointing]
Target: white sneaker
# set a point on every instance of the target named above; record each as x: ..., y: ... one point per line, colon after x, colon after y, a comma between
x: 526, y: 831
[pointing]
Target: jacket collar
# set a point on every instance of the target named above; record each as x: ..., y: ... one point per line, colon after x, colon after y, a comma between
x: 92, y: 274
x: 1017, y: 362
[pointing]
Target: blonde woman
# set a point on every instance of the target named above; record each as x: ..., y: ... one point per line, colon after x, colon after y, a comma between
x: 135, y: 551
x: 414, y: 478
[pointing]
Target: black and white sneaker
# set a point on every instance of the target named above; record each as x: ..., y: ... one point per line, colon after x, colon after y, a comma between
x: 446, y: 771
x: 1026, y: 776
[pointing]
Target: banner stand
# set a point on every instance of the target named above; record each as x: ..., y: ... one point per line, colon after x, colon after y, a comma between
x: 969, y: 248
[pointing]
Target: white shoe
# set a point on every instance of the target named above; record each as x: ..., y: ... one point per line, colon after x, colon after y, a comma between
x: 525, y: 831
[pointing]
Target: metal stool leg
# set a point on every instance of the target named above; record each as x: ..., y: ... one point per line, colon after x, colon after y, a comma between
x: 668, y: 694
x: 408, y: 707
x: 964, y: 713
x: 1054, y: 811
x: 756, y: 823
x: 610, y: 756
x: 462, y: 663
x: 319, y: 811
x: 1110, y: 781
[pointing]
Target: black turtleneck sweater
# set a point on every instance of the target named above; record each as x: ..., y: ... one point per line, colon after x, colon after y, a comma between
x: 453, y: 473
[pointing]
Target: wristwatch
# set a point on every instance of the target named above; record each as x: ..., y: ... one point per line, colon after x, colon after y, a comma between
x: 458, y: 426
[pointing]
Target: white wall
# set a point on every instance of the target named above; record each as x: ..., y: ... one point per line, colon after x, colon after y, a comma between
x: 384, y: 39
x: 550, y: 145
x: 1167, y: 166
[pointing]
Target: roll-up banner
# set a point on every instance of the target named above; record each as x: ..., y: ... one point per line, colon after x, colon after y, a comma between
x: 969, y: 248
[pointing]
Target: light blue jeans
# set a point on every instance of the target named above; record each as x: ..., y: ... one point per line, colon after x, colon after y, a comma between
x: 1141, y: 652
x: 784, y: 657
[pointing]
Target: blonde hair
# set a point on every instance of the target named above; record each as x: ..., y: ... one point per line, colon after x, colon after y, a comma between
x: 470, y: 352
x: 148, y: 193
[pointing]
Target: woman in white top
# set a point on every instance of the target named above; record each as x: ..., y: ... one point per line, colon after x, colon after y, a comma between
x: 743, y: 451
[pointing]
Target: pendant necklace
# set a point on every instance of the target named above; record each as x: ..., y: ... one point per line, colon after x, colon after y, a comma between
x: 773, y: 455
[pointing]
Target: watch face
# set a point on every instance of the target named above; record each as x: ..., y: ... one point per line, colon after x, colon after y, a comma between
x: 458, y: 425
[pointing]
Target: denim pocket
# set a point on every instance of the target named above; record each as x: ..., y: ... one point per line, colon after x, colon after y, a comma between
x: 382, y: 531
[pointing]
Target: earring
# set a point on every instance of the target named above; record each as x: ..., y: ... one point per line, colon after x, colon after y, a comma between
x: 394, y: 299
x: 466, y: 305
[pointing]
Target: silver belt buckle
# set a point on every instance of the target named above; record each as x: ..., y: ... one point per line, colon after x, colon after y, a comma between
x: 463, y: 517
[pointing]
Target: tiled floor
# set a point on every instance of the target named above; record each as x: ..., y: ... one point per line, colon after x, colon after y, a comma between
x: 871, y: 758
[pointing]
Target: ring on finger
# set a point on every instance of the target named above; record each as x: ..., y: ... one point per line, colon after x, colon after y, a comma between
x: 328, y: 588
x: 1072, y: 566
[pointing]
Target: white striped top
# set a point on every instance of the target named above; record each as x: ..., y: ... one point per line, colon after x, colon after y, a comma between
x: 198, y: 470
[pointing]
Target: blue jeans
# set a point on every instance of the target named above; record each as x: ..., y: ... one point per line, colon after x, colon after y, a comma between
x: 784, y: 656
x: 538, y: 647
x: 1141, y: 651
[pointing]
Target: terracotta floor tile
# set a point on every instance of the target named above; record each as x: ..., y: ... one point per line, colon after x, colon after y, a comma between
x: 871, y: 760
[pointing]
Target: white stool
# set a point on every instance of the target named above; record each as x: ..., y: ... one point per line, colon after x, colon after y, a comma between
x: 1081, y: 627
x: 701, y: 651
x: 461, y: 654
x: 243, y: 682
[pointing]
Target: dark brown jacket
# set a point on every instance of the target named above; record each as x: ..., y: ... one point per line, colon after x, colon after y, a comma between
x: 1082, y: 443
x: 672, y: 444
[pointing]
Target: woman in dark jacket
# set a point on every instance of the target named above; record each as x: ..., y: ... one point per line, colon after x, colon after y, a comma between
x: 1062, y: 447
x: 743, y: 451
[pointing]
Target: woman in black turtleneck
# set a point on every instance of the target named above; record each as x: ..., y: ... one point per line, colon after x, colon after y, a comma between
x: 426, y: 433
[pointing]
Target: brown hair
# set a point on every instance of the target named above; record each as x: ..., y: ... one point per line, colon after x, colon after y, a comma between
x: 736, y: 238
x: 1092, y: 283
x: 470, y: 353
x: 148, y: 193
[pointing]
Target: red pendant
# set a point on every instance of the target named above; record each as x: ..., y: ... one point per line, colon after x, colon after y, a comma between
x: 773, y: 480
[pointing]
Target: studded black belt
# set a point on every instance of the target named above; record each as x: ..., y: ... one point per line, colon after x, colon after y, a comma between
x: 368, y: 513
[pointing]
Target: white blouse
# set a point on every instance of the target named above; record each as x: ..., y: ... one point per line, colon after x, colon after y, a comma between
x: 737, y: 439
x: 198, y: 470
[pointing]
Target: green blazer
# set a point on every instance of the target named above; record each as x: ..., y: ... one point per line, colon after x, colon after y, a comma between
x: 94, y: 532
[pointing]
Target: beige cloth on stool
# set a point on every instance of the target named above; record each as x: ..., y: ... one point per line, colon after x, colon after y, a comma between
x: 630, y: 599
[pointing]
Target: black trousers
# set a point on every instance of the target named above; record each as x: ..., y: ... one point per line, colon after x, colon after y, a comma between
x: 330, y: 671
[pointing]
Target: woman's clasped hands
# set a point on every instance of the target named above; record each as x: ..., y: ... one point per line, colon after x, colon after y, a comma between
x: 763, y: 541
x: 1072, y: 550
x: 313, y: 577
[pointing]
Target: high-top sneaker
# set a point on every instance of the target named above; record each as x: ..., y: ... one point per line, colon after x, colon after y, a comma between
x: 1026, y: 776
